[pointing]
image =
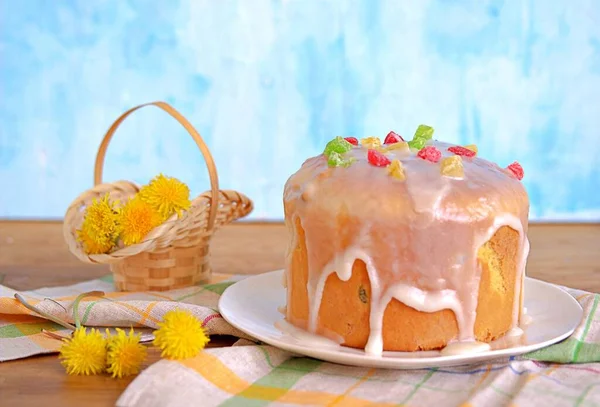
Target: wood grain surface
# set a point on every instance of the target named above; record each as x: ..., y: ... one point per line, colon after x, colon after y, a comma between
x: 33, y: 255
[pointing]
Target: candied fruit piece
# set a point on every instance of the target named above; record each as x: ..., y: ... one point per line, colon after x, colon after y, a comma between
x: 338, y: 160
x: 401, y: 145
x: 473, y: 148
x: 517, y: 170
x: 421, y: 136
x: 352, y: 140
x: 337, y: 145
x: 370, y: 142
x: 396, y: 170
x: 377, y: 159
x: 392, y: 138
x: 430, y: 153
x: 452, y: 167
x: 458, y: 150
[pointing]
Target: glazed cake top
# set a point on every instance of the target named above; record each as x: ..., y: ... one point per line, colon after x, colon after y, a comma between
x: 421, y: 178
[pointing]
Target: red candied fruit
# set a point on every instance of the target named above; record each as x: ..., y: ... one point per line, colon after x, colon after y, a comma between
x: 458, y: 150
x: 392, y: 138
x: 377, y: 159
x: 430, y: 153
x: 352, y: 140
x: 517, y: 170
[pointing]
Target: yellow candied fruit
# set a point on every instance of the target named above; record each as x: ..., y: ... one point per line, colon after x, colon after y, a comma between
x: 396, y: 170
x: 472, y: 147
x: 401, y: 145
x: 452, y: 167
x: 371, y: 142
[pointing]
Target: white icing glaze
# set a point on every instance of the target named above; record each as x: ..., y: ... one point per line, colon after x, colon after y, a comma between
x: 526, y: 320
x: 514, y: 331
x: 422, y: 250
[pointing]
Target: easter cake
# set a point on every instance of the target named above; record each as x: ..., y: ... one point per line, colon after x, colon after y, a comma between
x: 405, y: 246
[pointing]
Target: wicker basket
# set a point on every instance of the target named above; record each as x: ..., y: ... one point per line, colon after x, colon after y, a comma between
x: 175, y: 254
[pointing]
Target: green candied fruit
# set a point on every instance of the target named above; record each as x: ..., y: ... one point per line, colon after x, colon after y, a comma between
x: 421, y: 136
x: 337, y: 145
x: 337, y: 160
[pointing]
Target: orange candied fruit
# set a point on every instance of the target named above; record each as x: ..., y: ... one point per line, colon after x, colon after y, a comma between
x: 371, y: 142
x: 396, y: 170
x: 452, y: 167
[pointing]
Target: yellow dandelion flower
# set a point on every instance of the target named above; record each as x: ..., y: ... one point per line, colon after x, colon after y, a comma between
x: 84, y: 353
x: 136, y: 219
x: 92, y: 246
x: 166, y: 195
x: 100, y: 228
x: 125, y: 354
x: 180, y: 335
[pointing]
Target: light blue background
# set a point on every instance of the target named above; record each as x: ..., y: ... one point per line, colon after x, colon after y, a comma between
x: 267, y: 83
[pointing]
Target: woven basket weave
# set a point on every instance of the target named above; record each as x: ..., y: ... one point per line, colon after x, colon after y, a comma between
x: 173, y: 255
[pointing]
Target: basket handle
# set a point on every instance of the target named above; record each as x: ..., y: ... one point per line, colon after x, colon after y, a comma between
x: 210, y: 163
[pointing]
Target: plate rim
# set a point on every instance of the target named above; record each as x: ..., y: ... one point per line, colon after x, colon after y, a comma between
x: 387, y: 360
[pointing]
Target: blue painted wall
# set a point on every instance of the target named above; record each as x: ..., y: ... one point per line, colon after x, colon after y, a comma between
x: 269, y: 82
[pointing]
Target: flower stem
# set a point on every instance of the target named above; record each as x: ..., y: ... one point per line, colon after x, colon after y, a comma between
x: 45, y: 315
x: 53, y: 335
x: 78, y: 300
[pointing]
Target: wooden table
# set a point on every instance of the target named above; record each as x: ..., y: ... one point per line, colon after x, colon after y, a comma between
x: 33, y: 255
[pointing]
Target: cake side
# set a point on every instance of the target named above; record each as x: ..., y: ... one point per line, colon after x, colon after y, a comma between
x: 345, y: 307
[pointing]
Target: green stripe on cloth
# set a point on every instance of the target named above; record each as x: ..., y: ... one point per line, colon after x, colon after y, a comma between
x: 109, y: 278
x: 282, y: 378
x: 418, y: 386
x: 26, y: 329
x: 564, y: 352
x: 572, y: 350
x: 588, y: 323
x: 218, y: 288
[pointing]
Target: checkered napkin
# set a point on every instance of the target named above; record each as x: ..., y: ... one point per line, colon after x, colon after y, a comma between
x: 251, y: 374
x: 20, y: 328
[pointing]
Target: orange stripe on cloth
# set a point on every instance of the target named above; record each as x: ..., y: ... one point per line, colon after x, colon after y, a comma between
x: 139, y: 311
x: 46, y: 342
x: 14, y: 307
x: 488, y: 369
x: 582, y: 296
x: 222, y: 377
x: 10, y: 319
x: 342, y: 397
x: 147, y: 311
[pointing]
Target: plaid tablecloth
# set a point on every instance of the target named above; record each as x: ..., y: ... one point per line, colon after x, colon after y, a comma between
x: 251, y: 374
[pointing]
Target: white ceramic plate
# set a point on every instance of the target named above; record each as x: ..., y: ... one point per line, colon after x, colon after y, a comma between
x: 251, y: 306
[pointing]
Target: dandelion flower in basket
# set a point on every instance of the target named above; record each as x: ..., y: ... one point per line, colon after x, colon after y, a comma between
x: 153, y: 236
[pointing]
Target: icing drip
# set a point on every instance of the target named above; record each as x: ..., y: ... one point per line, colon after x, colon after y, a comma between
x: 342, y: 266
x: 413, y: 297
x: 418, y: 238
